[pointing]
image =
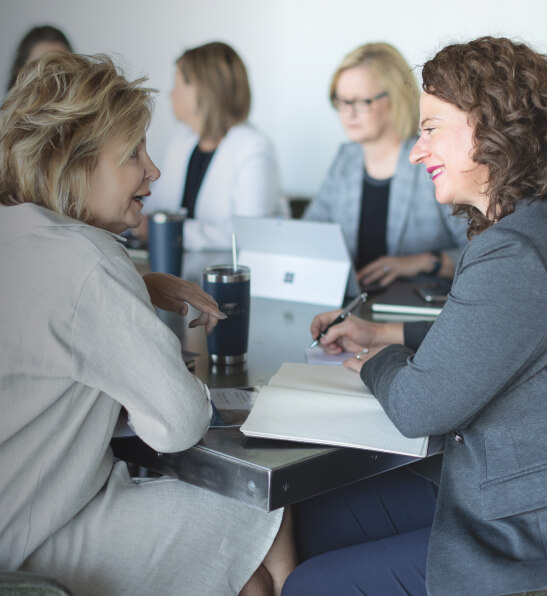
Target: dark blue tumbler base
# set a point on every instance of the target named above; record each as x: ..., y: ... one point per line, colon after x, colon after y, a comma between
x: 165, y: 242
x: 227, y: 343
x: 228, y: 360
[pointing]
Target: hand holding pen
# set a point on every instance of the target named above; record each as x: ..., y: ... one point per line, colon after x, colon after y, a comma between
x: 348, y: 310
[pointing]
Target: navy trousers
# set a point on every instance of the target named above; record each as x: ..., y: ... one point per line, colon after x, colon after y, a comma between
x: 369, y: 538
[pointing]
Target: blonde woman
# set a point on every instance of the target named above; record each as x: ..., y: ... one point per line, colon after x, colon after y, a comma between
x: 217, y: 165
x: 392, y: 223
x: 81, y: 340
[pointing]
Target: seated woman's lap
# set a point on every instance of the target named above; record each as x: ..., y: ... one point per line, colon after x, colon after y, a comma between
x: 391, y: 566
x: 365, y: 534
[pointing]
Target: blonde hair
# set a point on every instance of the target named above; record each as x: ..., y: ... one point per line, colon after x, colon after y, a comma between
x: 223, y: 91
x: 54, y: 123
x: 395, y: 76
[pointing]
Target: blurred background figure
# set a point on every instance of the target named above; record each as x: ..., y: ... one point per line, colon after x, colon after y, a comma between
x: 37, y: 42
x: 387, y: 208
x: 217, y: 165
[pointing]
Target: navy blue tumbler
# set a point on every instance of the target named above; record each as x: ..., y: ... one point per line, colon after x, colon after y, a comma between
x: 227, y: 344
x: 165, y: 243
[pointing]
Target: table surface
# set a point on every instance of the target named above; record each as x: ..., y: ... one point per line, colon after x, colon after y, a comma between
x: 263, y: 473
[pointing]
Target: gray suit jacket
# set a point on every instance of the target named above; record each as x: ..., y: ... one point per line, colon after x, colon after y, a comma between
x: 416, y: 223
x: 480, y: 376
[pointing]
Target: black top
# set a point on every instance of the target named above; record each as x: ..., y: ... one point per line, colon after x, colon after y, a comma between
x: 373, y: 221
x: 197, y: 166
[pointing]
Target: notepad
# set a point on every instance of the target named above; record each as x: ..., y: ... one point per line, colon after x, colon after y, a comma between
x: 403, y: 300
x: 327, y: 405
x: 318, y: 356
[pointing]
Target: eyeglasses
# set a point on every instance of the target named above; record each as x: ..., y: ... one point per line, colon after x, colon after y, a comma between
x: 358, y: 105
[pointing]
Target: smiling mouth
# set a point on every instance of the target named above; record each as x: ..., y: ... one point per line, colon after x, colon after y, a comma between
x: 435, y: 171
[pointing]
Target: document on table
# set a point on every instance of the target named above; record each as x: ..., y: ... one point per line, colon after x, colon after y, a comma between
x: 233, y: 404
x: 318, y: 356
x: 328, y: 405
x: 233, y: 398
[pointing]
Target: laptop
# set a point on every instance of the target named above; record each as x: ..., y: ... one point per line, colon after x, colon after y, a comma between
x: 295, y: 260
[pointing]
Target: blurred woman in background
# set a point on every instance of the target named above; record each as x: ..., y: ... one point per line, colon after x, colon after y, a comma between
x: 217, y: 165
x: 392, y: 223
x: 37, y: 42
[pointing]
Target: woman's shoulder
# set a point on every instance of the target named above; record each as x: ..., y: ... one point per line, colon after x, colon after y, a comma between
x: 76, y: 238
x: 521, y: 231
x: 184, y: 137
x: 246, y: 135
x: 53, y: 239
x: 348, y: 161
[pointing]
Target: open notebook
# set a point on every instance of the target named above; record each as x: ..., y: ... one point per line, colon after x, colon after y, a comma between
x: 327, y: 405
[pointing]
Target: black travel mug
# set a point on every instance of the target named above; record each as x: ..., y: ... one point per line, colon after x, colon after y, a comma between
x: 165, y: 241
x: 227, y: 344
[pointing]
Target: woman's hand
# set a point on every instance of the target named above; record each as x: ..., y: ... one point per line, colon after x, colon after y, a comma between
x: 360, y: 358
x: 353, y: 333
x: 386, y: 269
x: 172, y: 293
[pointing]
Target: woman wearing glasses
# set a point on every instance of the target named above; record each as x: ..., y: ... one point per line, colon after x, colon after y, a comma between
x: 391, y: 221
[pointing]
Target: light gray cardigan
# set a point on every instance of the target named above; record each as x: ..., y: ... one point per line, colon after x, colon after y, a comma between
x: 416, y: 223
x: 480, y: 376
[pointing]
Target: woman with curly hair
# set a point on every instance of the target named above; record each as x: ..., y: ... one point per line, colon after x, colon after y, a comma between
x: 475, y: 521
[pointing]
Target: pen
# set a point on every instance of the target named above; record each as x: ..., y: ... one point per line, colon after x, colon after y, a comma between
x: 349, y: 308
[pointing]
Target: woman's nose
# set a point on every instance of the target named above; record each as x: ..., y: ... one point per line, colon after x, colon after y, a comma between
x: 152, y: 171
x: 419, y: 152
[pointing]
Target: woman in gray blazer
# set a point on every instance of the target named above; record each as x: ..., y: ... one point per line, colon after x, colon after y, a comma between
x: 478, y: 375
x: 392, y: 224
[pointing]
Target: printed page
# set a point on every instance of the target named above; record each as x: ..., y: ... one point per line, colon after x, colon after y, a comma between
x: 233, y: 398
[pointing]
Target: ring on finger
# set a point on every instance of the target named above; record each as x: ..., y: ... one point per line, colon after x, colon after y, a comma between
x: 386, y: 268
x: 360, y: 354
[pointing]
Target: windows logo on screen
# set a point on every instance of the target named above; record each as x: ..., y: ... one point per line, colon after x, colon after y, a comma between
x: 289, y: 278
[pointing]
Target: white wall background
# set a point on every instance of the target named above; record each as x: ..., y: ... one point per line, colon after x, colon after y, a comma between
x: 290, y: 47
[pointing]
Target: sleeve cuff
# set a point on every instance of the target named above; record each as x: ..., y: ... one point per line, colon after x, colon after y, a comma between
x: 414, y: 333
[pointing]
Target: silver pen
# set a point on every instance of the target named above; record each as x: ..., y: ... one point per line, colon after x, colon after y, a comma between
x: 349, y: 308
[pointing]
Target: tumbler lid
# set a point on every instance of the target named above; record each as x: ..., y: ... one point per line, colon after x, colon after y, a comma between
x: 226, y: 274
x: 165, y: 216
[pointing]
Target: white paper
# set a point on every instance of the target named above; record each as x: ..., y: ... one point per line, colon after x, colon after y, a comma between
x: 318, y: 356
x: 233, y: 399
x: 326, y: 405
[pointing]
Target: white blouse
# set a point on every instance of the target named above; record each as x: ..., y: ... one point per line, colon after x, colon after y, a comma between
x: 241, y: 179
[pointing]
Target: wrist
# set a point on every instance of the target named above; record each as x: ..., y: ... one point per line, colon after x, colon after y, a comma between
x: 387, y: 334
x: 436, y: 259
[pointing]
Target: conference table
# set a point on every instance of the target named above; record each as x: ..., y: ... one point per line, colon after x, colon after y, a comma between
x: 267, y: 474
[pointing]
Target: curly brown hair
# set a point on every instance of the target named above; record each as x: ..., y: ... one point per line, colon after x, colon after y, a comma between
x: 502, y: 85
